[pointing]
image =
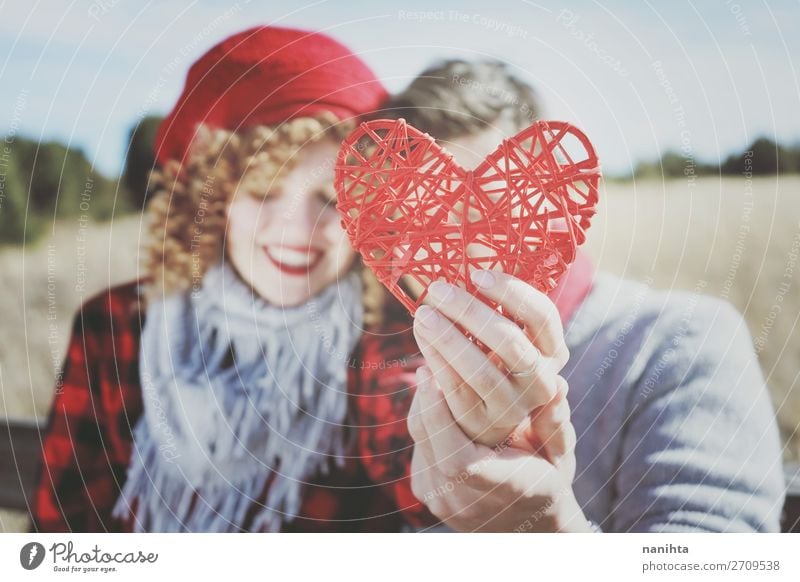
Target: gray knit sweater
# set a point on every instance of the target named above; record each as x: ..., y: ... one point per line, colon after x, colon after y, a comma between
x: 675, y: 428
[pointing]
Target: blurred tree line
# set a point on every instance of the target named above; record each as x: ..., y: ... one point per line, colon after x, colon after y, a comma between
x: 764, y: 157
x: 42, y: 182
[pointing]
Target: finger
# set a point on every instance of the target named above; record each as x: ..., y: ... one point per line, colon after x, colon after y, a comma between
x: 463, y: 355
x: 526, y: 304
x: 449, y: 499
x: 471, y: 366
x: 416, y: 428
x: 535, y: 389
x: 475, y: 369
x: 452, y: 449
x: 466, y: 405
x: 528, y: 391
x: 500, y: 334
x: 421, y: 482
x: 485, y: 401
x: 553, y: 427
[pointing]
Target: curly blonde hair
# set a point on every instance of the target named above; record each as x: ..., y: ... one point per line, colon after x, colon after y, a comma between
x: 177, y: 251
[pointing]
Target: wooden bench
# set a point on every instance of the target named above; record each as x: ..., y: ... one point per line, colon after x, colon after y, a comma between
x: 20, y: 449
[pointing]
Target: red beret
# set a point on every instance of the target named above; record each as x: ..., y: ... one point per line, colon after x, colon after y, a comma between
x: 267, y: 75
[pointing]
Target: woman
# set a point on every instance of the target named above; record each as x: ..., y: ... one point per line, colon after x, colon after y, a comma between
x: 207, y: 388
x: 218, y: 393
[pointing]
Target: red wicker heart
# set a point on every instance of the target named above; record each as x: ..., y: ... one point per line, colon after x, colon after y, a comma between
x: 412, y: 212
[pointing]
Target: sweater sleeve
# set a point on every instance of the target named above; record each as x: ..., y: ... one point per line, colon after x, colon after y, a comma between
x: 700, y: 448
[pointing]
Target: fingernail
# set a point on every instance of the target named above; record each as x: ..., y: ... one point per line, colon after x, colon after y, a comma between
x: 484, y: 279
x: 427, y: 316
x: 441, y: 290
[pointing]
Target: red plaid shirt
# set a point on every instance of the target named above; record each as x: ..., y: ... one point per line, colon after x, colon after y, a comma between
x: 89, y: 440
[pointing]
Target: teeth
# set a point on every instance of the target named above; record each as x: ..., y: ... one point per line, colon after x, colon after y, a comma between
x: 292, y: 258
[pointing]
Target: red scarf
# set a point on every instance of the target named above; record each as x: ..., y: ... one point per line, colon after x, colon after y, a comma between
x: 573, y: 286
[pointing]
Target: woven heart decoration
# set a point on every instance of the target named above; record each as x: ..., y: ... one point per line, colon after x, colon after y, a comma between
x: 415, y: 215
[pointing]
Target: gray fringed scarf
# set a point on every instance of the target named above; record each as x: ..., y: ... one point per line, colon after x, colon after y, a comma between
x: 238, y: 395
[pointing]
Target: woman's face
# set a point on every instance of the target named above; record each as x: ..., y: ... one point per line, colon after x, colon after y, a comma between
x: 288, y: 243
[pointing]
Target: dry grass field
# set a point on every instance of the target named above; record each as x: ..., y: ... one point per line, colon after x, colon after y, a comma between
x: 731, y: 238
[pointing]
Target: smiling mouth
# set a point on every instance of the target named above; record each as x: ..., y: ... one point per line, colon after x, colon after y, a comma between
x: 294, y: 260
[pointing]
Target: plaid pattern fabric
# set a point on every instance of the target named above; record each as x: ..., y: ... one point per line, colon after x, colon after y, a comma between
x: 89, y: 441
x: 390, y: 358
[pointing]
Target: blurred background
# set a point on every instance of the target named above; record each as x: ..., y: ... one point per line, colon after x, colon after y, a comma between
x: 692, y: 108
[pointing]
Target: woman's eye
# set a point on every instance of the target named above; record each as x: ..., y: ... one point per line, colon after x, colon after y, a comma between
x: 262, y: 195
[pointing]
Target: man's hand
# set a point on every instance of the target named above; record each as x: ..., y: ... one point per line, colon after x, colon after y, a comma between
x: 471, y: 487
x: 485, y: 396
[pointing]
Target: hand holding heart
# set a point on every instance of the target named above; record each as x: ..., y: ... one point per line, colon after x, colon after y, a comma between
x: 467, y: 402
x: 471, y: 487
x: 488, y: 402
x: 416, y: 216
x: 467, y: 243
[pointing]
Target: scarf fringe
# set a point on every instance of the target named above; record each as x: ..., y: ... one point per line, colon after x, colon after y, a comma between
x: 276, y: 417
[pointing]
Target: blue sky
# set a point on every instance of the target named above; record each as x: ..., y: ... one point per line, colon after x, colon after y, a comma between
x: 638, y: 77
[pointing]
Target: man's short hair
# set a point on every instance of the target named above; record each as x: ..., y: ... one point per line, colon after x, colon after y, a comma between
x: 457, y: 98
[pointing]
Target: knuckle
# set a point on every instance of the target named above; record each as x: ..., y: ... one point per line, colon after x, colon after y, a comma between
x: 562, y: 387
x: 519, y: 350
x: 418, y: 488
x: 473, y: 421
x: 521, y: 309
x: 448, y: 467
x: 549, y: 314
x: 452, y: 466
x: 549, y: 388
x: 561, y: 413
x: 448, y: 337
x: 547, y: 319
x: 469, y: 308
x: 506, y: 411
x: 458, y: 396
x: 414, y: 423
x: 533, y: 397
x: 511, y: 416
x: 539, y: 393
x: 561, y: 356
x: 486, y: 379
x: 517, y: 288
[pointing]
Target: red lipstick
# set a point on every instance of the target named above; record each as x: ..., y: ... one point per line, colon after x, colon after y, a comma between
x: 295, y: 269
